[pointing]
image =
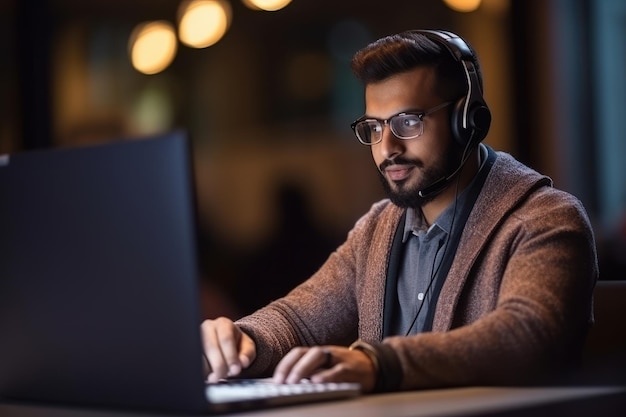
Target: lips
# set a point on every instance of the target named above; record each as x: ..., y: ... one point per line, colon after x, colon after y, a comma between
x: 399, y: 172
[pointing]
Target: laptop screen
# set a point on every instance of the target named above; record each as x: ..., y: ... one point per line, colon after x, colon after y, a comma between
x: 98, y: 270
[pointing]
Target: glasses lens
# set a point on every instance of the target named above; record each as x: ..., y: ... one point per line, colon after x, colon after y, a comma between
x: 368, y: 131
x: 406, y: 126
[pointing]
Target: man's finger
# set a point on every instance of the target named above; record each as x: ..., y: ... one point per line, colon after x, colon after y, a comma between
x: 217, y: 364
x: 302, y: 363
x: 286, y: 364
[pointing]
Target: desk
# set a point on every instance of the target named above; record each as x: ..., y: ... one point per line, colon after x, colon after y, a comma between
x: 597, y: 401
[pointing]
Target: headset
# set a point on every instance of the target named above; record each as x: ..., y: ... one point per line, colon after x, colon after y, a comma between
x: 470, y: 117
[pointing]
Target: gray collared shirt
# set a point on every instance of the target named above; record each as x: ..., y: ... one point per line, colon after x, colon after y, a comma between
x: 424, y: 248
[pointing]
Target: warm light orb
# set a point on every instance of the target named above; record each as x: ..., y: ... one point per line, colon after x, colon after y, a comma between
x: 203, y: 23
x: 464, y: 6
x: 267, y: 5
x: 152, y: 46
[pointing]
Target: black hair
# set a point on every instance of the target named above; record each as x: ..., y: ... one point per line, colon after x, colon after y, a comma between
x: 405, y: 51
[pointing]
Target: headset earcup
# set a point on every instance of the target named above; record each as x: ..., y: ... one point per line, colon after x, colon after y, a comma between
x: 461, y: 136
x: 478, y: 121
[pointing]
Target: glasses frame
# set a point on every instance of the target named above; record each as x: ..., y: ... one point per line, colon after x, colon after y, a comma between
x: 383, y: 122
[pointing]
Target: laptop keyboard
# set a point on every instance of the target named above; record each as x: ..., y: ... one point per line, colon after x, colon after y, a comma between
x: 263, y: 391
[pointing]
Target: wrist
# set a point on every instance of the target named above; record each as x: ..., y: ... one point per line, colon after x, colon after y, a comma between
x: 387, y: 369
x: 372, y: 355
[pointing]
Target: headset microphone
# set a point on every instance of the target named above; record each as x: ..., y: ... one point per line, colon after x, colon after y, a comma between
x: 435, y: 187
x: 441, y: 183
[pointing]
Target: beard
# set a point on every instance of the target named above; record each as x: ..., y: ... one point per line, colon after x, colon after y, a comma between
x: 404, y: 195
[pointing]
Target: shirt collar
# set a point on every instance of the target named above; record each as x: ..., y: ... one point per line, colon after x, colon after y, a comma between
x: 414, y: 223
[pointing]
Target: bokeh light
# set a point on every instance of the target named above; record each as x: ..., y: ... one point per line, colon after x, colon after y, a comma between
x: 266, y: 5
x: 464, y: 6
x: 152, y: 46
x: 203, y: 23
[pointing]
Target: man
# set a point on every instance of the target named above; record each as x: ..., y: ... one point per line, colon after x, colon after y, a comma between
x: 475, y: 271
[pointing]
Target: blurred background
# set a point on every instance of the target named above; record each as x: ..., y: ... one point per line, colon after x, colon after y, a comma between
x: 265, y: 90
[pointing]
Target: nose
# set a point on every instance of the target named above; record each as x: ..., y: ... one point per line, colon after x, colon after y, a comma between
x: 390, y: 146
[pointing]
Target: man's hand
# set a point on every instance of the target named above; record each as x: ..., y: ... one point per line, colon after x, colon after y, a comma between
x: 227, y: 349
x: 326, y: 364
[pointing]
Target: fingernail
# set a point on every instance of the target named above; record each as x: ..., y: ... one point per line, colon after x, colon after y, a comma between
x: 234, y: 370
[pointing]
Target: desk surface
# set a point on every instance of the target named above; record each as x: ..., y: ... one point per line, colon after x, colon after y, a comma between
x: 476, y: 401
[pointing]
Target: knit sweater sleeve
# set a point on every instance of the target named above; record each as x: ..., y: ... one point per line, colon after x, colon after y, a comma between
x: 322, y: 310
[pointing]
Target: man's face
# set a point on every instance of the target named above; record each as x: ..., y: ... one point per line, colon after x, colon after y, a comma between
x: 407, y: 166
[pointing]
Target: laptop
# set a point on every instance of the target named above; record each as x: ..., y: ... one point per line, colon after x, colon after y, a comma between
x: 99, y: 303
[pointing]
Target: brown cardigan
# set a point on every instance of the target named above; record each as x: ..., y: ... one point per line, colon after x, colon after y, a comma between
x: 515, y: 305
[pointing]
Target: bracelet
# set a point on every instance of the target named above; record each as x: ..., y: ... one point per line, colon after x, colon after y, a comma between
x: 369, y: 351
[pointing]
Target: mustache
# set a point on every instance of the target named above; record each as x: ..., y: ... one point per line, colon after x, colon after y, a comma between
x: 398, y: 161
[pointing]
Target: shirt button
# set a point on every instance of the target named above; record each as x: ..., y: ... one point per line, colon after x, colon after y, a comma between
x: 420, y: 296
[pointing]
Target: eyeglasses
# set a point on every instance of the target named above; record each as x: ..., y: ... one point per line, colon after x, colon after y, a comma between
x: 404, y: 125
